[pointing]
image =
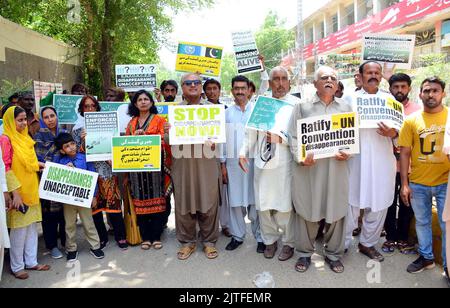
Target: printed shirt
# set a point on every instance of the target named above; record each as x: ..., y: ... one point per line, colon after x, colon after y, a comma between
x: 424, y: 134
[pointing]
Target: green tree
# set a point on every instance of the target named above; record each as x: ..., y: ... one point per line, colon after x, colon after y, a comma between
x: 110, y: 32
x: 228, y: 71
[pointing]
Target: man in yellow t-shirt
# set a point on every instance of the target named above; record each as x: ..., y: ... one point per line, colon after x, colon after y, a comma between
x: 421, y: 147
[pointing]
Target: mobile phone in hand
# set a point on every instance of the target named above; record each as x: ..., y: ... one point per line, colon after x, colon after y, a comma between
x: 23, y: 209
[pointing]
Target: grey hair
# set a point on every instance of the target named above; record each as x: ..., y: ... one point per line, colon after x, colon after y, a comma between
x: 278, y: 69
x: 322, y: 69
x: 186, y: 76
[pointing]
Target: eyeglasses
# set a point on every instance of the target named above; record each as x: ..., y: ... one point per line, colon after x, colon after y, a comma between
x: 325, y: 78
x: 192, y: 82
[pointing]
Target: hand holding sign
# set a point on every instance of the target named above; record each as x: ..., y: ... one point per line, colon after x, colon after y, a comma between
x: 386, y: 131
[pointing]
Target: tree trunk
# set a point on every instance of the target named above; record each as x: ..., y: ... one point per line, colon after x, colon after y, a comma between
x: 106, y: 47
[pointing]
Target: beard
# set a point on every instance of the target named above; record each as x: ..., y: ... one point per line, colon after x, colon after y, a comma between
x: 401, y: 97
x: 169, y: 99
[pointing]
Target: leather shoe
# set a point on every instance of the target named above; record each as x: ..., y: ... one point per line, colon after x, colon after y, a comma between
x: 226, y: 232
x: 261, y: 247
x: 270, y: 250
x: 286, y: 253
x: 371, y: 252
x: 233, y: 245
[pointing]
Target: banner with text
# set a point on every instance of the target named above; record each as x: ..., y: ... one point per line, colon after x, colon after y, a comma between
x: 271, y: 115
x: 136, y: 154
x: 197, y: 58
x: 373, y: 109
x: 326, y: 135
x: 100, y: 128
x: 246, y: 52
x: 132, y: 77
x: 163, y: 109
x: 67, y: 108
x: 197, y: 124
x: 68, y: 185
x: 393, y: 49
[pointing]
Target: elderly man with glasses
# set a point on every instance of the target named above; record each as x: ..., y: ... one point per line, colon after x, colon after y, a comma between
x: 319, y: 188
x: 197, y: 182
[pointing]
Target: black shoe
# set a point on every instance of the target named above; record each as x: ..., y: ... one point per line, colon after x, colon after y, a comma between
x: 72, y: 256
x: 233, y: 245
x: 261, y: 247
x: 447, y: 278
x: 122, y: 244
x: 103, y: 245
x: 420, y: 265
x: 98, y: 253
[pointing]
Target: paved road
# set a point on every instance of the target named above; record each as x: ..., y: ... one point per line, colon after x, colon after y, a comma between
x: 152, y: 269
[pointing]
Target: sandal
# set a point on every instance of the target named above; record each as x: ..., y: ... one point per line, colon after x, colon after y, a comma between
x: 22, y: 275
x: 303, y: 264
x: 40, y: 268
x: 389, y: 247
x: 406, y: 248
x: 211, y: 252
x: 185, y: 252
x: 157, y: 245
x: 335, y: 266
x: 146, y: 246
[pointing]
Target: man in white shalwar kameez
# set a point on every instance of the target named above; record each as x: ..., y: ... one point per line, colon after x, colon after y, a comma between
x: 241, y: 194
x: 372, y: 173
x: 4, y: 238
x: 273, y: 176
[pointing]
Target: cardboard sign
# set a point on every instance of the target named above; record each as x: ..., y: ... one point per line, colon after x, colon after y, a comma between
x: 373, y: 109
x: 133, y: 78
x: 136, y: 153
x: 326, y: 135
x: 393, y: 49
x: 196, y: 58
x: 246, y: 52
x: 68, y: 185
x: 197, y: 124
x: 271, y: 115
x: 100, y: 128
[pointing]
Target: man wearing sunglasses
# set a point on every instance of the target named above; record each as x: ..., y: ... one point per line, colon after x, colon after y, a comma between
x: 272, y: 173
x: 197, y: 180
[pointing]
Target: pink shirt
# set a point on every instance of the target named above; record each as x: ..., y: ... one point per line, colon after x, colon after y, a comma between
x: 7, y: 151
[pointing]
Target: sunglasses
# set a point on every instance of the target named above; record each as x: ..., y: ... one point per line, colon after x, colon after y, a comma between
x: 192, y: 82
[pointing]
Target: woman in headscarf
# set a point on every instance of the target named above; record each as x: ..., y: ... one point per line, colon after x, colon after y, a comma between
x: 22, y: 166
x: 109, y: 197
x: 53, y: 223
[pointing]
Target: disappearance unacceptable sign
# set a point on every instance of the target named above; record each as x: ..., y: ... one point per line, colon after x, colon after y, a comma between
x: 197, y: 124
x: 196, y: 58
x: 133, y: 78
x: 271, y: 115
x: 100, y: 128
x: 246, y: 53
x: 68, y: 185
x: 136, y: 154
x: 326, y: 135
x: 394, y: 49
x: 373, y: 109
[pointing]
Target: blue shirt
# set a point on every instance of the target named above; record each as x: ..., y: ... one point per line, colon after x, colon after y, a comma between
x: 79, y: 161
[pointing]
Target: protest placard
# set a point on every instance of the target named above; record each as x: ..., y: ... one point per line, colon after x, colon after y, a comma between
x: 197, y: 58
x: 111, y: 106
x: 345, y: 64
x: 163, y: 109
x: 393, y: 49
x: 67, y: 108
x: 42, y: 89
x: 197, y: 124
x: 373, y: 109
x: 100, y: 128
x: 326, y: 135
x: 271, y: 115
x: 246, y: 52
x: 136, y: 153
x: 132, y: 78
x: 68, y: 185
